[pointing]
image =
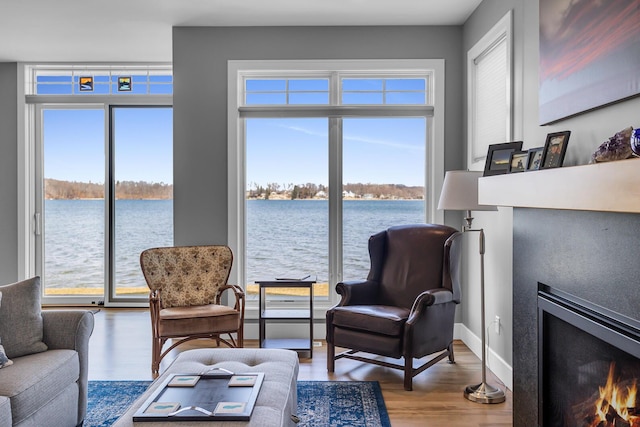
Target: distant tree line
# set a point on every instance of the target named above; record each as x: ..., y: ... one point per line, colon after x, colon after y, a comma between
x: 57, y: 189
x: 319, y: 191
x: 385, y: 191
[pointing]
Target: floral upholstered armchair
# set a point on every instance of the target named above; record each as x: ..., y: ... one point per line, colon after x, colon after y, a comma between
x: 186, y: 286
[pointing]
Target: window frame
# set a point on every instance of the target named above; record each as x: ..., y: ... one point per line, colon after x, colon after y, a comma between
x: 502, y: 30
x: 30, y: 107
x: 433, y: 110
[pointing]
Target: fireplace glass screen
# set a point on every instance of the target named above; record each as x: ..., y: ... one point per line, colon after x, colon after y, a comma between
x: 586, y: 382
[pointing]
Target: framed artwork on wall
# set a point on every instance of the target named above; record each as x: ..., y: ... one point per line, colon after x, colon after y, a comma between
x: 498, y: 157
x: 85, y: 84
x: 589, y: 55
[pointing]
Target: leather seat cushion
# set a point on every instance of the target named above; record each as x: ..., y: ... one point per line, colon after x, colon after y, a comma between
x: 379, y: 319
x: 194, y: 320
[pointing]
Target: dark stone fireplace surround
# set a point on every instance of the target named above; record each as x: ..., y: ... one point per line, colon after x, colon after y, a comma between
x: 594, y: 256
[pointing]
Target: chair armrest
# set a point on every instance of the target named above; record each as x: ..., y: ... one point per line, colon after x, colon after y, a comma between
x: 426, y: 299
x: 237, y: 292
x: 357, y: 292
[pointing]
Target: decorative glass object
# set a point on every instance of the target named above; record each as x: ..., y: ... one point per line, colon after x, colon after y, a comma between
x: 635, y: 142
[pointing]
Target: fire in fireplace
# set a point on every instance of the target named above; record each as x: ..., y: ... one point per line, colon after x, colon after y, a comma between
x: 589, y: 362
x: 615, y: 405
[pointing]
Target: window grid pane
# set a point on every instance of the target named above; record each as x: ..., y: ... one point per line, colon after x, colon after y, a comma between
x: 286, y: 91
x: 384, y: 91
x: 309, y: 91
x: 65, y: 80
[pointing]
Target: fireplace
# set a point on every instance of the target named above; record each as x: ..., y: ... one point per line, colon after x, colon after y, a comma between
x: 589, y: 363
x: 576, y: 228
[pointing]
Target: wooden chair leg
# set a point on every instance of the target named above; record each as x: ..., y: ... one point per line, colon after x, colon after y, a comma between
x: 331, y: 357
x: 156, y: 349
x: 452, y: 358
x: 240, y: 337
x: 408, y: 373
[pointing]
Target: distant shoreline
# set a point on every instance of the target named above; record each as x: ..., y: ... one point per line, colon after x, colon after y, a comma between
x: 360, y: 199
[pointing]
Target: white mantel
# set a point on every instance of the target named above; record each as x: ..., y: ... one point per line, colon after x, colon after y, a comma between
x: 606, y: 187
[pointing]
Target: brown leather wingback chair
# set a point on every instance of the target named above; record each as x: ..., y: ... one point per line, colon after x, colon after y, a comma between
x: 187, y: 284
x: 406, y: 307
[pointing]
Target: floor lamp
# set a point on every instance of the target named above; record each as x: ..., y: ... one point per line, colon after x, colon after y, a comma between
x: 460, y: 192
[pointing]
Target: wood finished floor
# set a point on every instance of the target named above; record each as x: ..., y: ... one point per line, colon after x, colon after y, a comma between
x: 120, y: 349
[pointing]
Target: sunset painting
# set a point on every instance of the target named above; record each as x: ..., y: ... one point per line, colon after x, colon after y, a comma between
x: 589, y: 55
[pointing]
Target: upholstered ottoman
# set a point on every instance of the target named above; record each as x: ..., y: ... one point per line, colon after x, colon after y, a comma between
x: 276, y: 403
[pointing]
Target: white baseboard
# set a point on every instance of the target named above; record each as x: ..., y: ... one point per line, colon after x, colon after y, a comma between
x: 495, y: 363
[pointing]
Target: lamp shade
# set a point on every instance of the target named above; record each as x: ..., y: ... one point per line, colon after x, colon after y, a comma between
x: 460, y: 192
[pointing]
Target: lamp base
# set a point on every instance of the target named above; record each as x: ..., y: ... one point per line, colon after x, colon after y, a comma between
x: 484, y: 393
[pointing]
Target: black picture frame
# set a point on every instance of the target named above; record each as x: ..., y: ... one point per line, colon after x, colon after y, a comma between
x: 534, y: 158
x: 555, y: 148
x: 518, y: 161
x: 85, y: 83
x: 498, y: 157
x: 124, y: 84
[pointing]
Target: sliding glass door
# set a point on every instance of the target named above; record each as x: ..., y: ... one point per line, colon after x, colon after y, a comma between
x: 142, y: 159
x: 71, y: 222
x: 106, y: 194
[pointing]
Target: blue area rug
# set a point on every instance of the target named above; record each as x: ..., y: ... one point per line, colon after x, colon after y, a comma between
x: 320, y: 403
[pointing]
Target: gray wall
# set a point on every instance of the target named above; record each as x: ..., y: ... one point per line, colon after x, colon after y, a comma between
x: 200, y: 58
x: 497, y: 226
x: 588, y: 131
x: 9, y: 171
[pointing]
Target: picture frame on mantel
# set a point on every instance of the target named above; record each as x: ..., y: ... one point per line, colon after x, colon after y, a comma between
x: 518, y: 161
x: 534, y: 158
x: 498, y: 157
x: 555, y: 148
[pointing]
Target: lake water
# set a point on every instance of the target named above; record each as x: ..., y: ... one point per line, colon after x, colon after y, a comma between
x: 285, y: 238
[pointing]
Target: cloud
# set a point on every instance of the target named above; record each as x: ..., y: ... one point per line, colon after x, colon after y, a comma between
x: 304, y: 130
x: 589, y: 32
x: 357, y: 138
x: 394, y: 144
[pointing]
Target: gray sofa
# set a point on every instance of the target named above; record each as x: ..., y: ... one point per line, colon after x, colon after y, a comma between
x: 44, y: 383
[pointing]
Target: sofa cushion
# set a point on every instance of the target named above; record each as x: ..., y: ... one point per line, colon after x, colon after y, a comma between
x: 4, y: 360
x: 34, y: 380
x: 20, y: 318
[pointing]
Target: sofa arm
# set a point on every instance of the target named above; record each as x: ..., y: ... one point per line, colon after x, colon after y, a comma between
x: 67, y: 329
x: 71, y: 329
x: 5, y: 412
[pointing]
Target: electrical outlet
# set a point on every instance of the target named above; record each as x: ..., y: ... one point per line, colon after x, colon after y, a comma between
x: 497, y: 325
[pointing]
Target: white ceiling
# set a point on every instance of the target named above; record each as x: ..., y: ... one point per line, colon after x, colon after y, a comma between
x: 140, y: 30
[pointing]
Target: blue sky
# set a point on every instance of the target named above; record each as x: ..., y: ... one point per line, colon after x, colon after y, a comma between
x: 74, y: 144
x: 282, y: 151
x: 295, y: 151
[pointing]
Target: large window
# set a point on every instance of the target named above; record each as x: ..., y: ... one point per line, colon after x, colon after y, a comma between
x: 383, y: 169
x: 102, y: 169
x: 489, y: 92
x: 323, y: 158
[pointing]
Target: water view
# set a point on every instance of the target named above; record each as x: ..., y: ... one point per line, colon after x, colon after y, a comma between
x: 285, y: 238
